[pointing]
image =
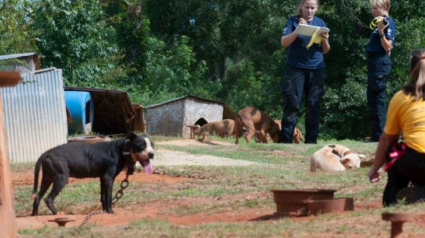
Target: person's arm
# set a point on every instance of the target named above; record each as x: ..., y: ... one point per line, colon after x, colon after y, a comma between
x: 285, y: 41
x: 386, y: 43
x: 325, y: 44
x: 384, y: 143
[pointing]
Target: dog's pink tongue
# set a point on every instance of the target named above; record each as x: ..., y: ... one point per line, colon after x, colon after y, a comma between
x: 148, y: 167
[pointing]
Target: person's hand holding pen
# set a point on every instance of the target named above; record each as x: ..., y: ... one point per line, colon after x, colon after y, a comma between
x: 303, y: 21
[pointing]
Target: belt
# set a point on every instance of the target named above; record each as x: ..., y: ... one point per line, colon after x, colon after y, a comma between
x: 377, y: 54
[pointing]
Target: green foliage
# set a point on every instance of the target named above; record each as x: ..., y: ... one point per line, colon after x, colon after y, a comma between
x: 224, y: 50
x: 16, y: 33
x: 345, y: 107
x: 74, y: 36
x: 172, y: 68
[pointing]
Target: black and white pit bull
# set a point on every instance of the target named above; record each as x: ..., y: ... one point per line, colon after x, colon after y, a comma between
x: 104, y: 160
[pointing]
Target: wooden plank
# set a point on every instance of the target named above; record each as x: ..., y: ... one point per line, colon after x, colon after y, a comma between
x: 9, y: 78
x: 7, y: 206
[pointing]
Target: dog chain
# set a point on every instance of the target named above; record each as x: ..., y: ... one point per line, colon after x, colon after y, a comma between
x: 86, y: 219
x: 118, y: 195
x: 125, y: 183
x: 195, y: 176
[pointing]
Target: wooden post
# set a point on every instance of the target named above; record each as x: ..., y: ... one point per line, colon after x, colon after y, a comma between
x: 7, y: 207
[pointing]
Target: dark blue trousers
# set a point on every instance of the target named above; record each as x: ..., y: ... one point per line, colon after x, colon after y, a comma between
x: 298, y: 82
x: 378, y: 68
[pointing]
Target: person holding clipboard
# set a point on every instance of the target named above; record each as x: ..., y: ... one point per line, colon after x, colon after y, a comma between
x: 304, y: 70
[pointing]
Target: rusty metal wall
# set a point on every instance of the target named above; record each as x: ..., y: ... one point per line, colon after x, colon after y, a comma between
x: 35, y: 114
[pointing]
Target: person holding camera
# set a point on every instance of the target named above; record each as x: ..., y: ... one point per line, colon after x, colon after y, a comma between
x: 379, y: 65
x: 304, y: 72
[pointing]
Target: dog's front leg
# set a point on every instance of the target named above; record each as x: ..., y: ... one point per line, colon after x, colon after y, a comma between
x: 106, y: 184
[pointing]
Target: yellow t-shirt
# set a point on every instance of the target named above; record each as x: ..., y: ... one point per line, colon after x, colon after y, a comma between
x: 407, y: 116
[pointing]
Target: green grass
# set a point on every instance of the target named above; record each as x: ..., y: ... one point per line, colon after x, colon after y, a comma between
x: 232, y: 188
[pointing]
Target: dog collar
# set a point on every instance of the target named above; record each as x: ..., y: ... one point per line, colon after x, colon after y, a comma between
x: 126, y: 151
x: 127, y: 156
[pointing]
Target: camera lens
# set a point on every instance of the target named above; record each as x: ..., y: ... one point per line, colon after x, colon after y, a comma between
x: 385, y: 20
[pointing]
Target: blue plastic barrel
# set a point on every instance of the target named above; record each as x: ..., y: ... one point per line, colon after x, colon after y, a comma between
x: 80, y: 107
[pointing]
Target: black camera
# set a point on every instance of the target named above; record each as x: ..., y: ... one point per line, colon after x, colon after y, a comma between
x: 385, y: 20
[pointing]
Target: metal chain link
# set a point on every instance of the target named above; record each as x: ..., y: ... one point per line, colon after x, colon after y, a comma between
x: 86, y: 219
x: 118, y: 195
x: 125, y: 183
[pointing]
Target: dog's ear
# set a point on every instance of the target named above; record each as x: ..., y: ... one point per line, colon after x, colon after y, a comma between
x: 361, y: 156
x: 332, y: 146
x: 131, y: 136
x: 345, y: 162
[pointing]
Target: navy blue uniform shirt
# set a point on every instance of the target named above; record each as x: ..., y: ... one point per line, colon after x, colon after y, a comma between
x: 298, y: 55
x: 375, y: 42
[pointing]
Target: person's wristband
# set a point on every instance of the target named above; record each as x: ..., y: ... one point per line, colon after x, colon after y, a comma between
x: 381, y: 35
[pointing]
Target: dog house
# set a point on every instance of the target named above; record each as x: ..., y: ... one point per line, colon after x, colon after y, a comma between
x: 80, y: 107
x: 170, y: 118
x: 113, y: 112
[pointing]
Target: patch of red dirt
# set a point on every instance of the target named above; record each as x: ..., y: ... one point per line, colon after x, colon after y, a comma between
x: 158, y: 210
x: 27, y: 178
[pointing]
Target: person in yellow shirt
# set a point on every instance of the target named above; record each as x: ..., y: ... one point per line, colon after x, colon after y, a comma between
x: 404, y: 161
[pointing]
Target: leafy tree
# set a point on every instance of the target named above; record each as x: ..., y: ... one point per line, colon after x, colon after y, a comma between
x: 17, y: 35
x: 75, y: 37
x: 224, y: 50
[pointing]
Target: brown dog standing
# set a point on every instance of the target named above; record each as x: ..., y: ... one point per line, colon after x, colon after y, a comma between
x: 221, y: 128
x: 255, y: 120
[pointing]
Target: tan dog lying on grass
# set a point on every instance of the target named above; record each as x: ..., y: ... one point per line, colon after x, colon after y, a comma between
x: 334, y: 158
x: 255, y: 120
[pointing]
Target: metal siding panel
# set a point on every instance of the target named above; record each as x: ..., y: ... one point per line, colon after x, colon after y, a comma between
x: 196, y: 109
x: 35, y: 115
x: 170, y: 118
x: 165, y: 119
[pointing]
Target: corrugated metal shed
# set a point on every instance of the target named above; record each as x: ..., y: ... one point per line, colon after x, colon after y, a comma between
x: 169, y: 118
x: 23, y: 63
x: 35, y: 114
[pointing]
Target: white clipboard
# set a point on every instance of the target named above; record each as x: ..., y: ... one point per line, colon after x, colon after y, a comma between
x: 309, y: 30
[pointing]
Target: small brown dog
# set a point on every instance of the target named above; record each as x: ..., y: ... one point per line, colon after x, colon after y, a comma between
x: 297, y: 136
x: 220, y: 128
x: 255, y: 120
